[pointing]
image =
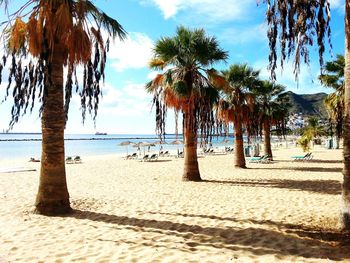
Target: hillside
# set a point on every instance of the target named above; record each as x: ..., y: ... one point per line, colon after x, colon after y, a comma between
x: 308, y: 104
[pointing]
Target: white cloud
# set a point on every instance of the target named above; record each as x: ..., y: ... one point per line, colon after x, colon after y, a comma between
x: 213, y: 10
x: 169, y: 8
x: 152, y: 75
x: 337, y: 4
x: 133, y: 53
x: 130, y: 100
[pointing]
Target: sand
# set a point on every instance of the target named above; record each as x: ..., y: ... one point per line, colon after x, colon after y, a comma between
x: 131, y: 211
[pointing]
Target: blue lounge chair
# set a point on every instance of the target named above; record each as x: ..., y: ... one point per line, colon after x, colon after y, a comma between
x: 260, y: 159
x: 305, y: 157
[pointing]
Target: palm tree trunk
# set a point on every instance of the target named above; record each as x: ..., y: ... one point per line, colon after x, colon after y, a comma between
x: 339, y: 128
x: 53, y: 197
x: 346, y: 124
x: 267, y: 138
x: 239, y: 151
x: 191, y: 170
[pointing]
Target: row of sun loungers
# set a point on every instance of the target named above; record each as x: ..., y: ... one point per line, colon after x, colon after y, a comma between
x: 164, y: 154
x: 150, y: 158
x: 131, y: 156
x: 267, y: 158
x: 70, y: 160
x: 229, y: 149
x: 212, y: 151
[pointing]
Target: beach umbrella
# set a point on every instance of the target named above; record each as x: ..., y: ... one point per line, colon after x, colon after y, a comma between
x: 159, y: 143
x: 144, y: 145
x: 126, y: 144
x: 177, y: 143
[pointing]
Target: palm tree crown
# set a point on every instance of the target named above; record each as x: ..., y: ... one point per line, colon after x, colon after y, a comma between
x: 240, y: 80
x: 333, y: 77
x: 184, y: 85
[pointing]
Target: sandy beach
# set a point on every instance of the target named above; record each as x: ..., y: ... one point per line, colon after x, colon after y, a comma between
x: 131, y: 211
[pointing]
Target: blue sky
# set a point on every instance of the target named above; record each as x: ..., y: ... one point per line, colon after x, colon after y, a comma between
x: 239, y: 25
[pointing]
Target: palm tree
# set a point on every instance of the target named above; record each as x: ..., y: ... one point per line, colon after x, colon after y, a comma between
x: 57, y: 34
x: 295, y: 25
x: 269, y: 100
x: 334, y: 78
x: 314, y: 128
x: 185, y: 87
x: 237, y: 103
x: 312, y: 131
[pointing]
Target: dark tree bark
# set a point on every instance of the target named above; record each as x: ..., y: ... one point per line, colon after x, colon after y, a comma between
x: 346, y: 127
x: 267, y: 138
x: 53, y: 197
x: 191, y: 169
x: 239, y: 151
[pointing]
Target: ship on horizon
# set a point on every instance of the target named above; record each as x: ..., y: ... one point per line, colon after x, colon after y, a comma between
x: 101, y: 133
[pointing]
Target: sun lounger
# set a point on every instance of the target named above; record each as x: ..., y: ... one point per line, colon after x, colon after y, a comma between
x: 145, y: 158
x: 131, y: 156
x: 228, y: 149
x: 153, y: 157
x: 305, y: 157
x: 255, y: 159
x: 69, y: 160
x: 77, y: 159
x: 260, y: 159
x: 164, y: 154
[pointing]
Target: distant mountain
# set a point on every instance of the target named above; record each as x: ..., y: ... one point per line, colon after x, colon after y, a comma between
x: 308, y: 104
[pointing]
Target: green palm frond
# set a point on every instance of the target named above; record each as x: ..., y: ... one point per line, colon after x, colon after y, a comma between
x: 333, y: 75
x: 111, y: 25
x: 180, y: 88
x: 166, y: 50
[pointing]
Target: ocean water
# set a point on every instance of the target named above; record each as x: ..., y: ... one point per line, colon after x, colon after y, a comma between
x: 29, y: 145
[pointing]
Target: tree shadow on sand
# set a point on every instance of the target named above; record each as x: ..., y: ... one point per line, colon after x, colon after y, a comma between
x: 303, y: 169
x: 254, y: 240
x: 324, y: 161
x: 331, y: 187
x: 300, y: 230
x: 308, y: 161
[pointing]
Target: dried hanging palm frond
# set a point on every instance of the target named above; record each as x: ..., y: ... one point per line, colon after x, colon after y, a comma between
x: 79, y: 48
x: 297, y: 25
x: 18, y: 36
x: 51, y: 23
